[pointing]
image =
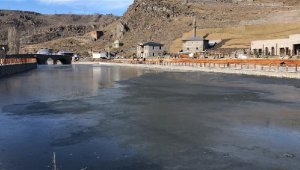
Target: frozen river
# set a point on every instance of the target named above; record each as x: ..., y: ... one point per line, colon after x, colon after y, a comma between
x: 111, y: 118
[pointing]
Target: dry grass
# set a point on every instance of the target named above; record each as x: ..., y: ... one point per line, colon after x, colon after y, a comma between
x: 241, y: 36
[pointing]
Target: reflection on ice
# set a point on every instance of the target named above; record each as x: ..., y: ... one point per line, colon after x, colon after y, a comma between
x: 122, y: 118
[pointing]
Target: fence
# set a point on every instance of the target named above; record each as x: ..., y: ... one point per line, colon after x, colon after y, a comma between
x: 269, y: 65
x: 13, y: 61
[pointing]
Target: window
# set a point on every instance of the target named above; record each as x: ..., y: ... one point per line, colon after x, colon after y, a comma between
x: 255, y: 51
x: 153, y: 54
x: 160, y: 47
x: 197, y: 48
x: 273, y: 51
x: 282, y: 51
x: 287, y: 51
x: 153, y: 47
x: 260, y: 51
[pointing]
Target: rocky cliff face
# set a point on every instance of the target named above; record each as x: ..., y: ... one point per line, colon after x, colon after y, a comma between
x: 147, y: 20
x: 37, y: 28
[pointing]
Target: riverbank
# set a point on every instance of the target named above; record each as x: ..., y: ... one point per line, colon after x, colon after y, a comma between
x: 254, y: 72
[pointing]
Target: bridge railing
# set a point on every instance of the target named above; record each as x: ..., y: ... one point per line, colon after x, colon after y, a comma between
x: 13, y: 61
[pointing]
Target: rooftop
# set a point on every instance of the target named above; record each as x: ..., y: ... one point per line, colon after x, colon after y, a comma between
x: 151, y: 44
x: 193, y: 39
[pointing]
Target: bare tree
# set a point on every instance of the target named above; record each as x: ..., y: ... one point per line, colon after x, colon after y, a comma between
x: 13, y: 40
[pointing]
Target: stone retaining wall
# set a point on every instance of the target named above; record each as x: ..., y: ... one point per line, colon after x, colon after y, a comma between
x: 6, y: 70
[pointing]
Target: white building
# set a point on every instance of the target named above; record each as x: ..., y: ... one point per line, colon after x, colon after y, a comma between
x: 277, y: 47
x: 194, y: 44
x: 117, y: 44
x: 102, y: 55
x: 150, y: 49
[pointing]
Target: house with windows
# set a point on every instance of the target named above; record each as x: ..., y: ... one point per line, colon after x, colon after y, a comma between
x: 195, y: 44
x: 150, y: 49
x: 278, y: 47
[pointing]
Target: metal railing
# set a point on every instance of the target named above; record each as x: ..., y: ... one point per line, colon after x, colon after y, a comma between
x: 13, y: 61
x: 269, y: 65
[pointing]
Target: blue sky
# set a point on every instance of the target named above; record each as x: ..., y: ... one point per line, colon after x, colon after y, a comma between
x: 117, y: 7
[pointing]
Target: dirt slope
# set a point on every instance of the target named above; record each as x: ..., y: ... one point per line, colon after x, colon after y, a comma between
x: 241, y: 36
x: 37, y: 28
x: 167, y: 20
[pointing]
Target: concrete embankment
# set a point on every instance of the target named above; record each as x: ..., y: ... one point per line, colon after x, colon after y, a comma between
x: 6, y: 70
x: 255, y: 72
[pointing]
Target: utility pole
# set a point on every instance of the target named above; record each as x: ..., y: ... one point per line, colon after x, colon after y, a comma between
x: 195, y: 26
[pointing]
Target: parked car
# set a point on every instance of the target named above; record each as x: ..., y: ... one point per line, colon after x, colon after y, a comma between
x: 76, y: 57
x: 45, y: 51
x: 63, y: 52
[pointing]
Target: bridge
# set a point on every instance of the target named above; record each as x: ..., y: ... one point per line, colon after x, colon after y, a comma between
x: 42, y: 59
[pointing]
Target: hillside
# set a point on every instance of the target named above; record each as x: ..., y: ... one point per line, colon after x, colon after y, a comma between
x: 241, y: 36
x: 166, y: 21
x: 279, y: 24
x: 38, y: 28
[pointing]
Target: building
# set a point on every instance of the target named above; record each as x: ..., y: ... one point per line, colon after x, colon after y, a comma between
x: 95, y: 35
x: 150, y: 49
x: 277, y: 47
x: 101, y: 55
x: 195, y: 44
x: 117, y: 44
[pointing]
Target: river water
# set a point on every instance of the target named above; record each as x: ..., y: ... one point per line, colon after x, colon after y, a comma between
x: 112, y: 117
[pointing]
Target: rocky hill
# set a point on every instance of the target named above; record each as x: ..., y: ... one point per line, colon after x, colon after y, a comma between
x: 37, y: 28
x: 166, y: 21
